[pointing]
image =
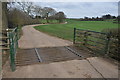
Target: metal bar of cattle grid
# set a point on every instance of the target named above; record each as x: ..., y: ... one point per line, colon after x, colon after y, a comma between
x: 39, y: 58
x: 73, y: 51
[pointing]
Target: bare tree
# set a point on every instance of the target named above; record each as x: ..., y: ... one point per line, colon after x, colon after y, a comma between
x: 37, y: 11
x: 27, y: 7
x: 47, y: 11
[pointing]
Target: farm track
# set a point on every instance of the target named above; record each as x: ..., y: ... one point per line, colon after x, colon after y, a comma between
x: 55, y: 58
x: 33, y: 38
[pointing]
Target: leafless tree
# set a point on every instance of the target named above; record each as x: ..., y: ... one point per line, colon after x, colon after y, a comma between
x: 47, y: 11
x: 37, y: 11
x: 27, y: 7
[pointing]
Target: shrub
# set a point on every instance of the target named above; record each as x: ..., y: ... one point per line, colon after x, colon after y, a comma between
x: 113, y: 46
x: 19, y: 18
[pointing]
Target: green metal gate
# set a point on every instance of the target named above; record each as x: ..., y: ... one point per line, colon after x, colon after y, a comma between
x: 97, y: 42
x: 9, y: 43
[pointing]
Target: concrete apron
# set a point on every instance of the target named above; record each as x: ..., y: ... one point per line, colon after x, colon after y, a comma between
x: 94, y: 67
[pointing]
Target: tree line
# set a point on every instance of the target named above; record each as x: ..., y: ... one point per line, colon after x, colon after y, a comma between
x: 116, y: 19
x: 23, y: 13
x: 102, y: 18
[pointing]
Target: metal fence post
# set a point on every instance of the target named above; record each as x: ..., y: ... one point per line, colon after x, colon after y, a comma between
x: 85, y: 38
x: 12, y: 51
x: 107, y: 44
x: 74, y: 37
x: 17, y: 36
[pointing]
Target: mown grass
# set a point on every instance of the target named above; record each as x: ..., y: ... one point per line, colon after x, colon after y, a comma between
x: 65, y: 31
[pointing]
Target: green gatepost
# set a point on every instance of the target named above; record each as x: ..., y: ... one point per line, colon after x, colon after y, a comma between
x: 85, y: 38
x: 12, y: 51
x: 17, y: 37
x: 107, y: 44
x: 74, y: 36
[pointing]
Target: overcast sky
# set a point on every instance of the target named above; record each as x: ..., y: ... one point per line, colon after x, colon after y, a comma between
x: 82, y: 9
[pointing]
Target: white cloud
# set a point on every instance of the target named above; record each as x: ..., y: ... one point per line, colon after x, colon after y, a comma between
x: 72, y: 0
x: 59, y: 0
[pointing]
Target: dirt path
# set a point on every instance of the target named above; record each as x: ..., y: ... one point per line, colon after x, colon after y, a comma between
x: 35, y: 39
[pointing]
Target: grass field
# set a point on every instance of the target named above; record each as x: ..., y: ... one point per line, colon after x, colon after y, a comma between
x: 65, y: 31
